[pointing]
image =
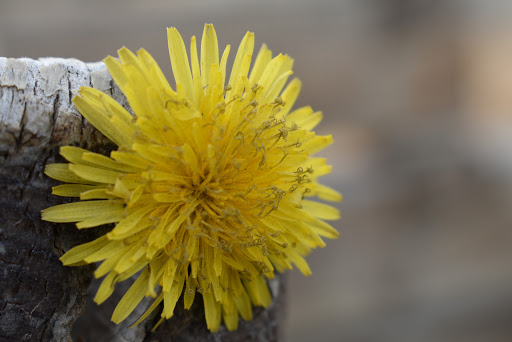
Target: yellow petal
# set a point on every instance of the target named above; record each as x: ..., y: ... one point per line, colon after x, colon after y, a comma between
x: 312, y: 121
x: 111, y: 249
x: 138, y: 79
x: 73, y: 154
x: 280, y: 264
x: 135, y: 268
x: 238, y: 85
x: 290, y: 95
x: 145, y: 223
x: 223, y: 63
x: 180, y: 64
x: 100, y: 193
x: 328, y: 194
x: 109, y: 264
x: 323, y: 229
x: 132, y: 298
x: 102, y: 100
x: 246, y: 48
x: 277, y: 86
x: 209, y: 52
x: 106, y: 288
x: 171, y: 297
x: 98, y: 160
x: 94, y: 174
x: 196, y: 72
x: 299, y: 261
x: 168, y: 278
x: 230, y: 315
x: 126, y: 262
x: 135, y: 90
x: 157, y: 76
x: 128, y: 58
x: 116, y: 71
x: 232, y: 262
x: 304, y: 118
x: 101, y: 121
x: 243, y: 304
x: 212, y: 312
x: 289, y: 212
x: 114, y: 215
x: 152, y: 308
x: 189, y: 293
x: 76, y: 255
x: 61, y: 172
x: 126, y: 225
x: 319, y: 166
x: 262, y: 59
x: 258, y: 291
x: 321, y: 210
x: 71, y: 190
x: 79, y: 211
x: 217, y: 262
x: 131, y: 159
x: 274, y: 69
x: 317, y: 143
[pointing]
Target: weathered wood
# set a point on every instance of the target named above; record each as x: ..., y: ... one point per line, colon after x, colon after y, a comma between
x: 42, y: 299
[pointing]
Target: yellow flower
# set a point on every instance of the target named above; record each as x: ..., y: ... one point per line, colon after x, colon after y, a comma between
x: 207, y: 188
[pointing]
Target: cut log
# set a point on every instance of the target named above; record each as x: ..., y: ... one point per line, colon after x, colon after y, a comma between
x: 42, y: 300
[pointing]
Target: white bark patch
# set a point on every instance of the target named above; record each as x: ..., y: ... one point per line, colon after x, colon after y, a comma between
x: 52, y: 75
x: 36, y: 108
x: 101, y: 80
x: 14, y: 74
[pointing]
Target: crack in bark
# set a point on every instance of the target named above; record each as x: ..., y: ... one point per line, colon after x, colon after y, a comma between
x: 70, y: 94
x: 54, y: 114
x: 22, y: 127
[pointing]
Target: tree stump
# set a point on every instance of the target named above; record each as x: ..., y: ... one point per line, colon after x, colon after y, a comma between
x: 42, y: 300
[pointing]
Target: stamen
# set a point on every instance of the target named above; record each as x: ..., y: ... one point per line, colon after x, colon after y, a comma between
x: 279, y: 101
x: 226, y: 89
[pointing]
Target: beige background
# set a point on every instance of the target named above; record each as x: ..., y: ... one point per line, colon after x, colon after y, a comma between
x: 418, y: 97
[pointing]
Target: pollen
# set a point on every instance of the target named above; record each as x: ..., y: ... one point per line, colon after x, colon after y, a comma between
x: 209, y: 189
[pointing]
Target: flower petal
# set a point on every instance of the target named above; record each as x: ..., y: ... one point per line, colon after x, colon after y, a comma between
x: 209, y: 52
x: 180, y: 64
x: 99, y: 119
x: 71, y: 190
x: 262, y: 59
x: 79, y: 211
x: 76, y: 255
x: 246, y: 48
x: 320, y: 210
x: 131, y: 298
x: 95, y: 174
x: 61, y: 172
x: 212, y: 312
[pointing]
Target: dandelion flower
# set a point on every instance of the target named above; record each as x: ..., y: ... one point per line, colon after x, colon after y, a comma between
x: 208, y: 189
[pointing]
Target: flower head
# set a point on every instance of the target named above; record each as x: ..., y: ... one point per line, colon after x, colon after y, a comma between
x: 208, y: 188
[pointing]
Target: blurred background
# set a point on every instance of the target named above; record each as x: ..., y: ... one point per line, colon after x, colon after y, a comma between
x: 418, y: 96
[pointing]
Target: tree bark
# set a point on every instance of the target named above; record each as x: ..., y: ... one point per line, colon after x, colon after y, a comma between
x: 42, y: 300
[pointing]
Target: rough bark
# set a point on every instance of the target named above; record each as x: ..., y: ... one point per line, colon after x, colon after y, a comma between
x: 41, y: 299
